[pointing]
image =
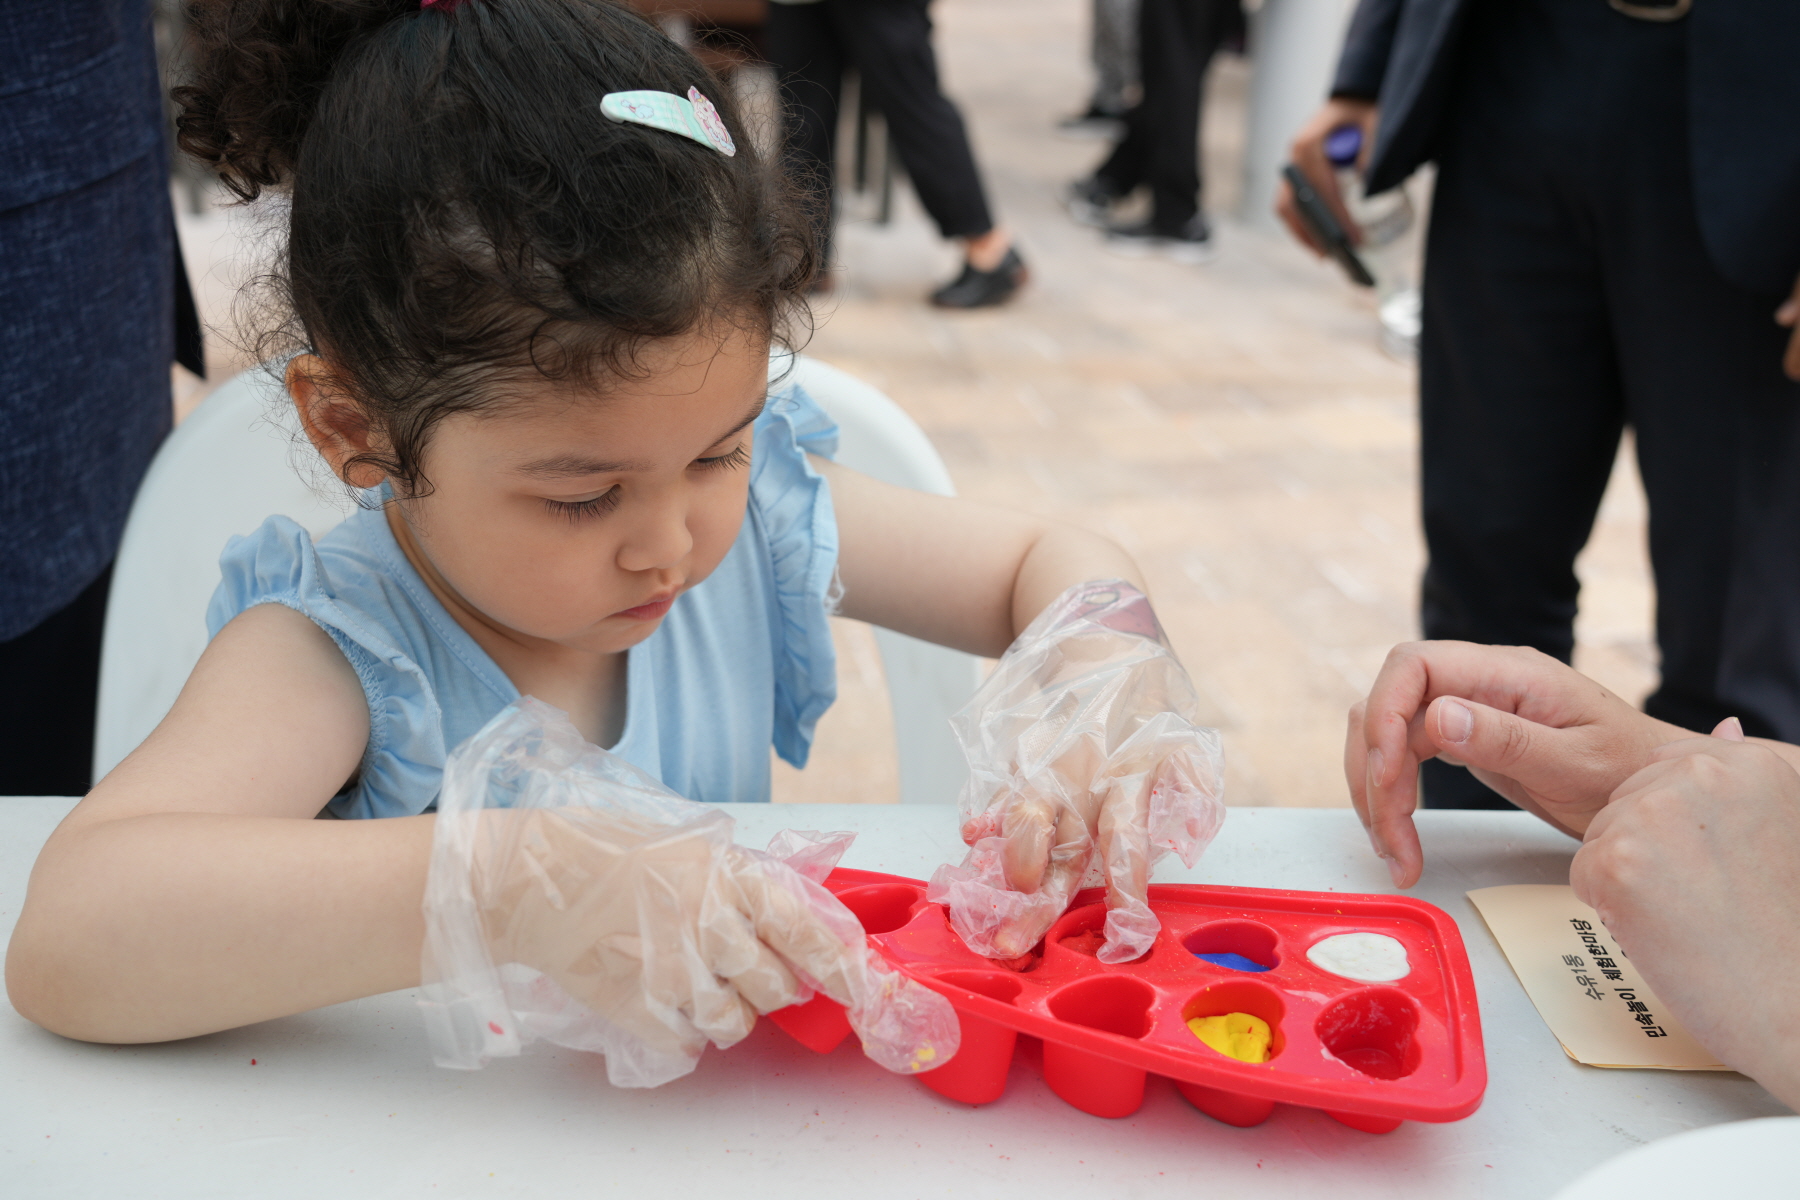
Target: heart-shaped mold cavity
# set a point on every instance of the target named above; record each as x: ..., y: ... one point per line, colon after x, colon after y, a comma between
x: 1250, y: 943
x: 883, y: 907
x: 1239, y: 996
x: 1113, y: 1004
x: 1083, y: 932
x: 1372, y: 1032
x: 991, y: 984
x: 1080, y: 931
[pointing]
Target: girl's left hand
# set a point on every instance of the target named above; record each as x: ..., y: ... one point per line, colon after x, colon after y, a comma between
x: 1694, y: 866
x: 1086, y: 767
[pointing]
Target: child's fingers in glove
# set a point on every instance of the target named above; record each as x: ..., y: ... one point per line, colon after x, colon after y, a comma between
x: 1057, y: 848
x: 818, y: 944
x: 722, y: 1013
x: 1124, y: 837
x: 1028, y: 826
x: 1070, y: 855
x: 1125, y: 853
x: 731, y: 947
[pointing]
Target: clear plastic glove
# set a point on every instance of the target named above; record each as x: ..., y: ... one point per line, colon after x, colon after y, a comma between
x: 1086, y: 766
x: 572, y: 897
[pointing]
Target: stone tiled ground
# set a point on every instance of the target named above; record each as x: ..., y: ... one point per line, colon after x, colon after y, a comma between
x: 1234, y: 425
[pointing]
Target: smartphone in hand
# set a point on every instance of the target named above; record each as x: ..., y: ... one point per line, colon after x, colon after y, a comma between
x: 1324, y: 226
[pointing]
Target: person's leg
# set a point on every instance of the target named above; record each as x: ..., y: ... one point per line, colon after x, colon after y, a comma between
x: 809, y: 67
x: 1128, y: 165
x: 1115, y: 55
x: 1718, y: 424
x: 1520, y: 403
x: 889, y: 41
x: 49, y: 682
x: 1178, y: 39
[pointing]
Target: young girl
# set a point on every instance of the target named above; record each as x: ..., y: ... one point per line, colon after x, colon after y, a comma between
x: 537, y: 269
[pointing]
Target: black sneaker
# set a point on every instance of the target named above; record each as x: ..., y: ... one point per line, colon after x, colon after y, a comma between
x: 1090, y: 201
x: 1192, y: 243
x: 984, y: 289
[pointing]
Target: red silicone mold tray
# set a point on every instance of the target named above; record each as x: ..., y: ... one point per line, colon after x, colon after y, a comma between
x: 1370, y: 1054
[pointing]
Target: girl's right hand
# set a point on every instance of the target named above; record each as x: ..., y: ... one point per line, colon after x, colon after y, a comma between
x: 1540, y: 733
x: 573, y: 897
x: 672, y: 934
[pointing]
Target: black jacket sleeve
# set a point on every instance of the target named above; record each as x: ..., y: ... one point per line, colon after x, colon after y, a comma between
x: 1367, y: 46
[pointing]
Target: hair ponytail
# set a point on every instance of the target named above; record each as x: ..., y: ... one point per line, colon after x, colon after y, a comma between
x: 258, y: 68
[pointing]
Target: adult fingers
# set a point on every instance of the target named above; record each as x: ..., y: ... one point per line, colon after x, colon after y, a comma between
x: 1391, y: 829
x: 1479, y: 736
x: 1668, y: 764
x: 1400, y: 692
x: 1789, y: 314
x: 1593, y: 873
x: 1390, y: 767
x: 1289, y: 211
x: 1308, y: 153
x: 1356, y: 764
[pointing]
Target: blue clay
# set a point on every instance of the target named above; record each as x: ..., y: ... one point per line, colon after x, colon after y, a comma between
x: 1233, y: 962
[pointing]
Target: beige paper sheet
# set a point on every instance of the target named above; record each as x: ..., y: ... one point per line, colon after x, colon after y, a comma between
x: 1583, y: 985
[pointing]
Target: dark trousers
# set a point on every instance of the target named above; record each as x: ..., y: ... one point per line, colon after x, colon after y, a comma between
x: 888, y: 43
x: 1161, y: 147
x: 49, y: 678
x: 1567, y: 295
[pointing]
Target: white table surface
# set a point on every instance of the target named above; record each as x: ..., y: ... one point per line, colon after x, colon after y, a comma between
x: 344, y: 1102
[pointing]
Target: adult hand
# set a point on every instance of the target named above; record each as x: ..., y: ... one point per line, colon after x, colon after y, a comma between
x: 1789, y: 315
x: 1308, y: 153
x: 1541, y: 734
x: 1086, y: 765
x: 1695, y: 869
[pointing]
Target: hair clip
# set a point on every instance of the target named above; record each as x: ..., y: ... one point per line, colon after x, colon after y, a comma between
x: 694, y: 117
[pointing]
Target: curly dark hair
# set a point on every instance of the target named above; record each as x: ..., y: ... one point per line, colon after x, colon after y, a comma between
x: 463, y: 217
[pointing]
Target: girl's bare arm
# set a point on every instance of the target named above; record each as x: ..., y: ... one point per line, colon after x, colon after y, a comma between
x: 193, y: 891
x: 953, y: 571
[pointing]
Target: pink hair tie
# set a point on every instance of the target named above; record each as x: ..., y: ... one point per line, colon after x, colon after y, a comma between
x: 440, y: 5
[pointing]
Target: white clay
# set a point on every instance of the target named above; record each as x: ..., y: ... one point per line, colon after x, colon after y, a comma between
x: 1368, y: 957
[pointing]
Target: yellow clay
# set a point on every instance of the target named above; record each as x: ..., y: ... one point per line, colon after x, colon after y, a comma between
x: 1235, y: 1035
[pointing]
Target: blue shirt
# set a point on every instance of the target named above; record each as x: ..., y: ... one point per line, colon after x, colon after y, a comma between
x: 742, y: 661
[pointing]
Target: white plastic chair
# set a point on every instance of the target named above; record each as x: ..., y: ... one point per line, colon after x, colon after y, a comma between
x: 926, y: 683
x: 231, y: 464
x: 223, y: 470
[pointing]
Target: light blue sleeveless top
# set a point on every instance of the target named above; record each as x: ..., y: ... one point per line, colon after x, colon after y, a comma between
x: 741, y: 662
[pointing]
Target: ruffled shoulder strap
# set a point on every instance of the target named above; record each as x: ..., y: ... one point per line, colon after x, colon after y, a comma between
x: 793, y: 505
x: 403, y: 764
